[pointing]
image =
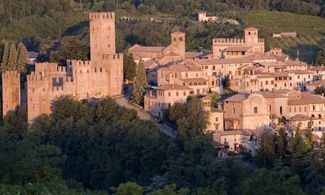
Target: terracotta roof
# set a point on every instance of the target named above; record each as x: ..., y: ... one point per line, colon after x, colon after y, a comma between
x: 216, y: 61
x: 319, y: 82
x: 300, y: 117
x: 295, y: 63
x: 251, y: 28
x: 183, y: 66
x: 139, y: 48
x: 192, y: 54
x: 299, y: 71
x: 237, y: 98
x: 307, y: 98
x: 178, y: 33
x: 275, y: 94
x: 173, y: 87
x: 265, y: 76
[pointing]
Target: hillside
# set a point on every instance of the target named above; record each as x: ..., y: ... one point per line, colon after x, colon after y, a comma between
x: 310, y: 29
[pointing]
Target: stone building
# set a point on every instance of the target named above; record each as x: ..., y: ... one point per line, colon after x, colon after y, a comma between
x: 100, y: 77
x: 237, y: 48
x: 202, y: 17
x: 254, y: 110
x: 175, y: 50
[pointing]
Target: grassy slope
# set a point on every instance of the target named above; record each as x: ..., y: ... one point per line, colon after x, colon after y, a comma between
x: 310, y: 29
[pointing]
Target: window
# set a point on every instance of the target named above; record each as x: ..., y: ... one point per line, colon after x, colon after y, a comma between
x: 216, y: 119
x: 255, y: 110
x: 314, y: 107
x: 280, y: 110
x: 234, y: 110
x: 177, y: 93
x: 186, y: 75
x: 184, y: 93
x: 169, y: 94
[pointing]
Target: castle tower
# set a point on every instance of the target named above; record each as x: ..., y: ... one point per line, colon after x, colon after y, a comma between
x: 102, y: 35
x: 10, y: 91
x: 251, y: 36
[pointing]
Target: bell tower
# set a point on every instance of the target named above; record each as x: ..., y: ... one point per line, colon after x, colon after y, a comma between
x: 251, y: 36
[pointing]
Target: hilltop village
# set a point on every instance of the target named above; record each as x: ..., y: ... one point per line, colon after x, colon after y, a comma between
x: 264, y: 89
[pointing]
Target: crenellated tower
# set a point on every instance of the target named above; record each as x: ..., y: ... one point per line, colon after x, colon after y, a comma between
x: 102, y: 34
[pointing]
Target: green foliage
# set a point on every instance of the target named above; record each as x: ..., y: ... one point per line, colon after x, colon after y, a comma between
x: 140, y: 84
x: 5, y: 57
x: 266, y: 153
x: 226, y: 83
x: 12, y: 59
x: 22, y: 58
x: 189, y: 118
x: 214, y: 98
x: 129, y: 189
x: 129, y: 67
x: 264, y: 181
x: 170, y: 190
x: 320, y: 90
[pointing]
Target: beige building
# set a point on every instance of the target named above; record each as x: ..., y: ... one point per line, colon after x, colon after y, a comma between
x: 237, y: 48
x: 202, y: 17
x: 254, y: 110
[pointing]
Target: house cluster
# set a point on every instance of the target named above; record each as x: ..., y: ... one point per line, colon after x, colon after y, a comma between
x: 270, y: 86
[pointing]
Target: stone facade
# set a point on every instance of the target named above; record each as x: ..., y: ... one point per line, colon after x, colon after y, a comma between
x: 236, y: 48
x: 100, y: 77
x: 11, y: 93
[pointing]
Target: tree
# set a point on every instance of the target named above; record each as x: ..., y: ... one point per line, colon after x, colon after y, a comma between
x: 129, y: 67
x: 140, y: 84
x: 214, y: 98
x: 320, y: 90
x: 129, y: 189
x: 226, y: 83
x: 12, y: 59
x: 281, y: 143
x: 297, y: 148
x: 266, y: 153
x: 264, y: 181
x: 5, y: 58
x: 189, y: 118
x: 22, y: 58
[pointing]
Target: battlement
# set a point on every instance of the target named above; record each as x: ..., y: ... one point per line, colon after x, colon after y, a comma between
x: 112, y: 56
x: 79, y: 63
x: 261, y: 40
x: 102, y: 15
x: 49, y: 68
x: 232, y: 41
x: 10, y: 74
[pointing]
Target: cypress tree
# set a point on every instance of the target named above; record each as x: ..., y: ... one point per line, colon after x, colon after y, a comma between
x: 140, y: 83
x: 22, y: 58
x: 12, y: 60
x: 5, y: 57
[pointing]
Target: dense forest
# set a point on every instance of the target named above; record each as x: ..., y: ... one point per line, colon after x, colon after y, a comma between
x: 87, y: 148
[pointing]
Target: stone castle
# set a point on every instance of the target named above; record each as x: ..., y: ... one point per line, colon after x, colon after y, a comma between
x: 100, y: 77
